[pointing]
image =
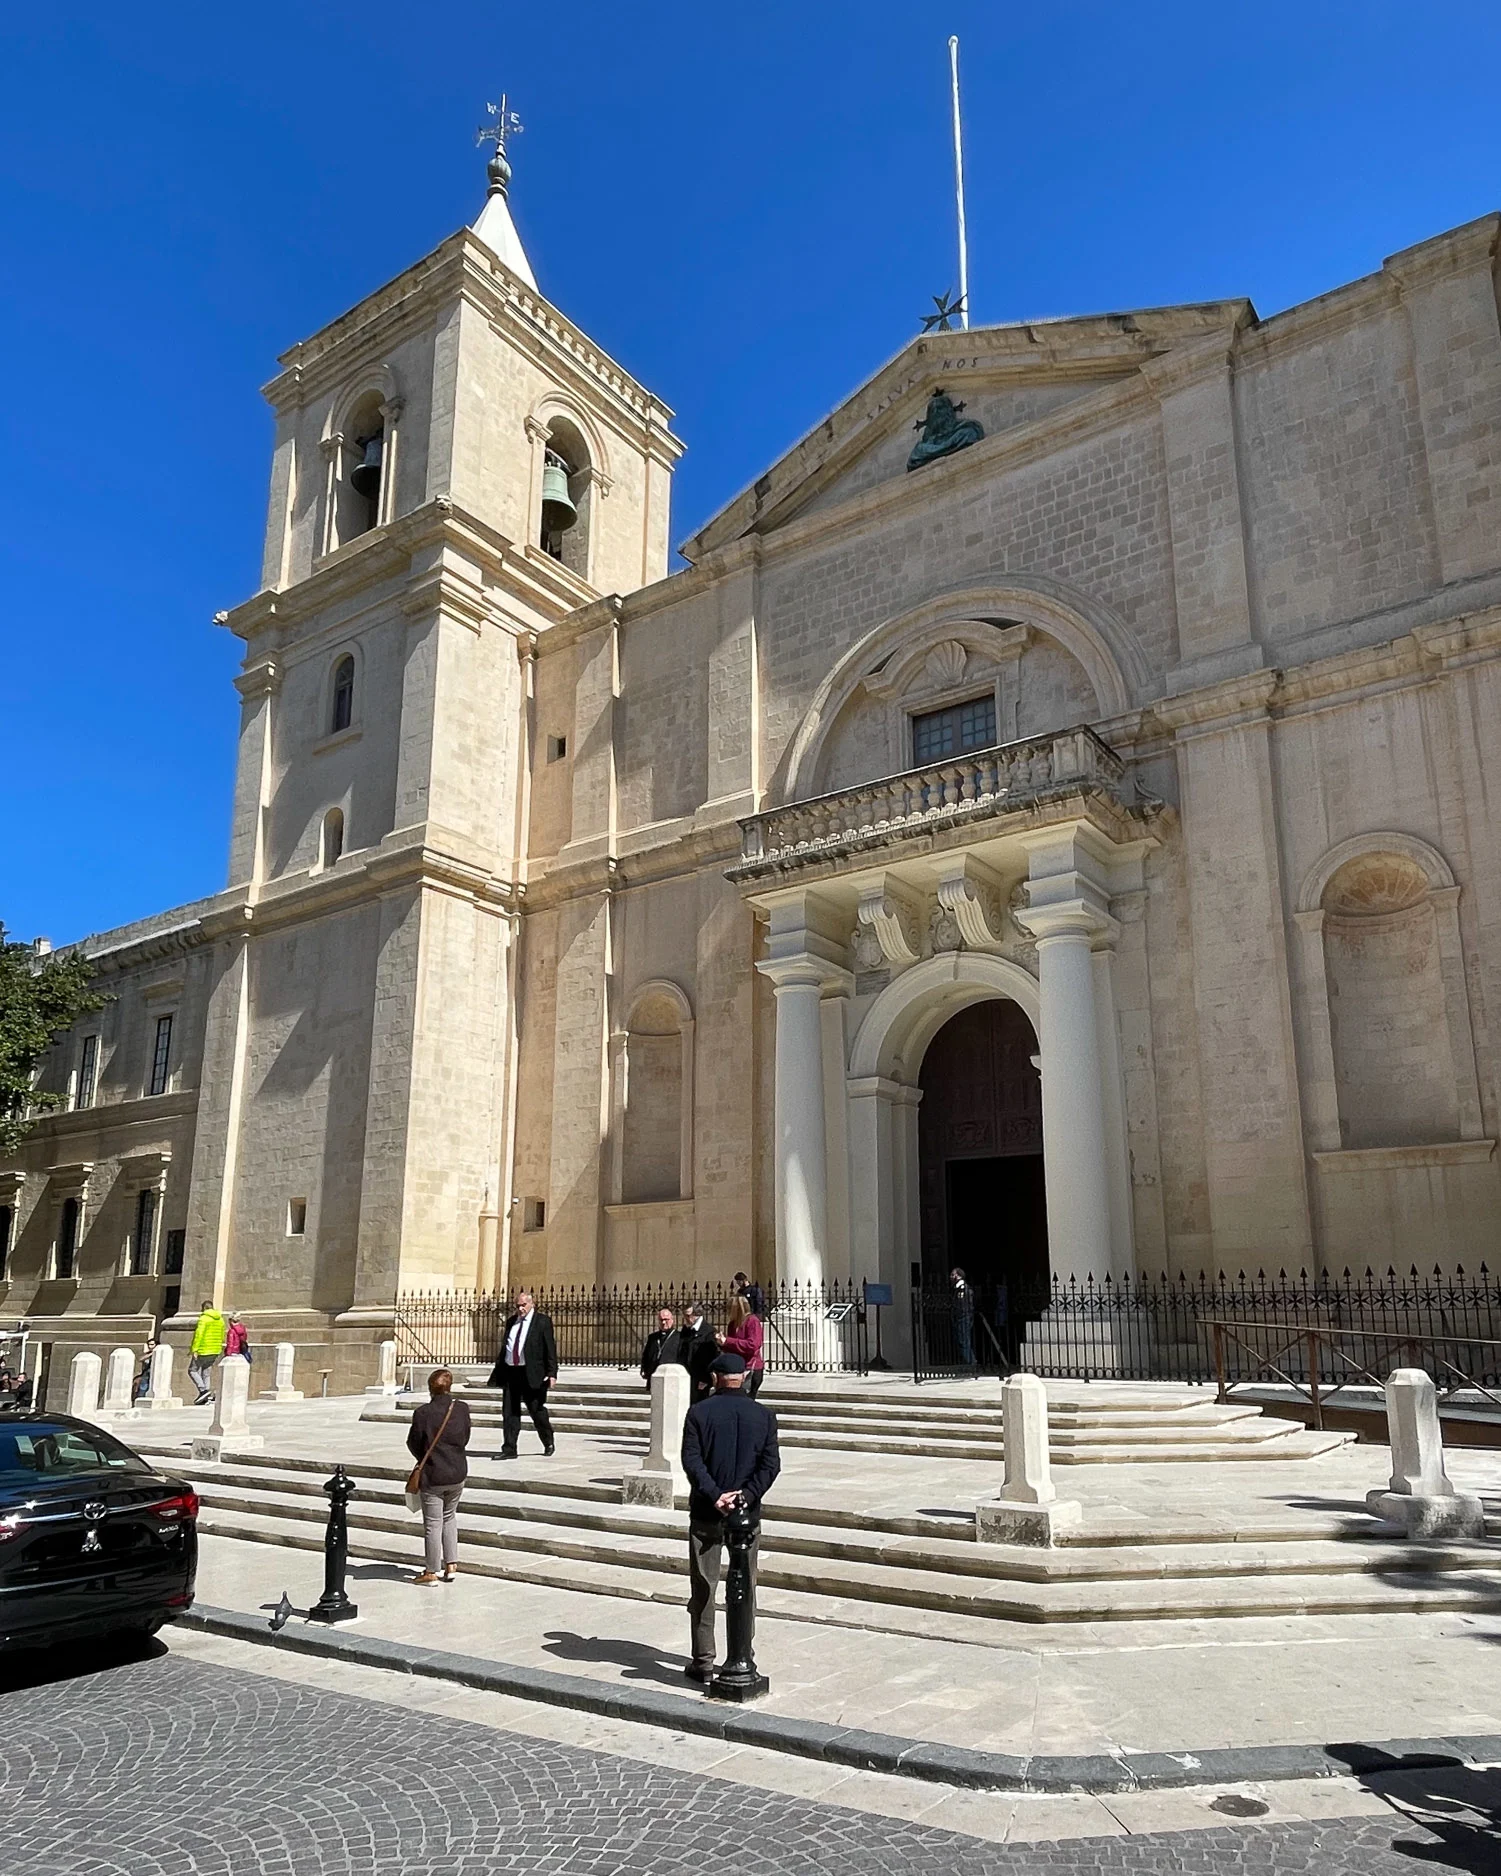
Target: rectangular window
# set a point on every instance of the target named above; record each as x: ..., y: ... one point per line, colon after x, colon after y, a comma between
x: 296, y: 1217
x: 557, y: 748
x: 88, y: 1072
x: 142, y: 1236
x: 7, y: 1224
x: 161, y: 1055
x: 940, y: 733
x: 533, y: 1214
x: 67, y: 1238
x: 177, y: 1243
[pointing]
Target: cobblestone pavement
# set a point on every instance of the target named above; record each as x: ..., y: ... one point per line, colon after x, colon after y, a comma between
x: 168, y: 1767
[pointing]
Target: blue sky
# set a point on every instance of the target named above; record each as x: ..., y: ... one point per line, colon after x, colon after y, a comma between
x: 750, y: 208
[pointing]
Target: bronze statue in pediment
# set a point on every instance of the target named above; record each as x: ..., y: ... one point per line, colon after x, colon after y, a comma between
x: 943, y: 431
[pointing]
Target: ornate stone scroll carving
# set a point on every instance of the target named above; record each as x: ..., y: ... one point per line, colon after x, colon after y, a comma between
x: 888, y: 911
x: 971, y: 897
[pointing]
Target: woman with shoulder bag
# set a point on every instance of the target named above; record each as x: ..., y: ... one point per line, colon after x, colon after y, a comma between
x: 439, y: 1435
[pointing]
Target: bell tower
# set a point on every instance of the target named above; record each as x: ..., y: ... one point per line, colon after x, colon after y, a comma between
x: 457, y: 469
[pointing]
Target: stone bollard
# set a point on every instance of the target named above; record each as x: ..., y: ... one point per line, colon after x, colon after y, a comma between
x: 119, y: 1384
x: 1420, y: 1496
x: 229, y: 1431
x: 159, y: 1392
x: 1028, y: 1510
x: 281, y: 1387
x: 83, y: 1385
x: 386, y: 1383
x: 662, y: 1479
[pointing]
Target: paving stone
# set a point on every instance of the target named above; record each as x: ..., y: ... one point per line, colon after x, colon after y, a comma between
x: 171, y: 1767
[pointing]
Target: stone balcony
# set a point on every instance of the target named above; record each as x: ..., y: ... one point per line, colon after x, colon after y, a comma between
x: 981, y: 785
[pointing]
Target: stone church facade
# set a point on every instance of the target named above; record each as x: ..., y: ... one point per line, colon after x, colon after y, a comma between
x: 1077, y: 853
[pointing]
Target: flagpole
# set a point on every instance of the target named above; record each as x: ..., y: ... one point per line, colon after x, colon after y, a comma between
x: 959, y: 187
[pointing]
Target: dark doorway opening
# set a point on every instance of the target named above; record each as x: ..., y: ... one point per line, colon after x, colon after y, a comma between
x: 980, y: 1159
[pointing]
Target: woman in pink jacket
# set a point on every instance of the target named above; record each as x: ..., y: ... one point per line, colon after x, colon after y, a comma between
x: 744, y: 1337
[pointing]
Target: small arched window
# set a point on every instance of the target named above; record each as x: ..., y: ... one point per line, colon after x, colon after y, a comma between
x: 341, y: 708
x: 333, y: 837
x: 67, y: 1238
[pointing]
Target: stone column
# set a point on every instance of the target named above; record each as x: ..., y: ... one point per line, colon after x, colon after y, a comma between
x: 281, y: 1388
x: 229, y: 1428
x: 1075, y: 1165
x: 159, y: 1393
x: 802, y: 1197
x: 806, y: 959
x: 662, y: 1480
x: 119, y: 1382
x: 83, y: 1385
x: 1029, y: 1510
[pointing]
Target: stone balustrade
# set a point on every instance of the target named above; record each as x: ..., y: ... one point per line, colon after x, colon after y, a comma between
x: 973, y: 786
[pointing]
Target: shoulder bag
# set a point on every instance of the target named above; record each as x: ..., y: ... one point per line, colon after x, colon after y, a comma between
x: 414, y: 1482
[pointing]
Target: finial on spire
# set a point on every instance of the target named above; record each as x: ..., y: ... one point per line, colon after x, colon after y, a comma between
x: 503, y: 123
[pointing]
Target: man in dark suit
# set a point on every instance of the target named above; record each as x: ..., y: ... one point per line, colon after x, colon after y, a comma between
x: 731, y: 1458
x: 697, y: 1348
x: 661, y: 1345
x: 526, y: 1368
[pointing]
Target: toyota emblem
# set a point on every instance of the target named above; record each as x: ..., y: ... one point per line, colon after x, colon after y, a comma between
x: 95, y: 1509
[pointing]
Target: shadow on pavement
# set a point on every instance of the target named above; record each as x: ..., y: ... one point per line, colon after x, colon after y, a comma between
x: 36, y: 1667
x: 1457, y: 1805
x: 640, y: 1660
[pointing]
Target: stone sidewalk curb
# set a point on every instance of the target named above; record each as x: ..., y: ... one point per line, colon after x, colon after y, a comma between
x: 863, y: 1751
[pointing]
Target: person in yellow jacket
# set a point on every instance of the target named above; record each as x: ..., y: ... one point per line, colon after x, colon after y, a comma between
x: 209, y: 1335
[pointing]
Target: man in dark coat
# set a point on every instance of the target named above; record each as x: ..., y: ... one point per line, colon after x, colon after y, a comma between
x: 731, y: 1458
x: 697, y: 1348
x: 661, y: 1345
x: 526, y: 1368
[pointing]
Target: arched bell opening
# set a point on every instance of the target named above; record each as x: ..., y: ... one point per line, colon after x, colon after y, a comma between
x: 359, y: 499
x: 981, y: 1192
x: 567, y: 497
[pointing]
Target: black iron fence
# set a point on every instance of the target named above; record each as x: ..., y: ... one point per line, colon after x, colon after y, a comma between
x: 807, y: 1328
x: 1232, y: 1330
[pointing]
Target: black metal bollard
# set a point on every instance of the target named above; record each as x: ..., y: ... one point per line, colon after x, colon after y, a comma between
x: 333, y: 1605
x: 739, y: 1678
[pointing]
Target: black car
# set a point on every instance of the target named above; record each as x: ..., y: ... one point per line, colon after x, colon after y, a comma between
x: 93, y: 1540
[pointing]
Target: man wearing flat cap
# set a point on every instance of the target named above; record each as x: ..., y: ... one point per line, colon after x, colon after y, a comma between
x: 731, y: 1458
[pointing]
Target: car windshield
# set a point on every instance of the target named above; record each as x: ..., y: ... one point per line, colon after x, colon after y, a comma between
x: 41, y: 1451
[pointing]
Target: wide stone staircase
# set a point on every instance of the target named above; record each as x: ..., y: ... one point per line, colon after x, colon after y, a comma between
x: 922, y: 1574
x: 1088, y: 1423
x: 830, y: 1560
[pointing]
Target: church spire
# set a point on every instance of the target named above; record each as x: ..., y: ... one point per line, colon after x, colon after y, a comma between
x: 494, y: 226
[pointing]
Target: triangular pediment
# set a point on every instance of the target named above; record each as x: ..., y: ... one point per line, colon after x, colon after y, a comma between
x: 1007, y: 377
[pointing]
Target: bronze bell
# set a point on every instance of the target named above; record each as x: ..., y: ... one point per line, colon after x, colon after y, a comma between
x: 558, y: 511
x: 364, y: 478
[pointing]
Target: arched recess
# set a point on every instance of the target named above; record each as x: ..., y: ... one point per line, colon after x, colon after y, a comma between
x: 652, y: 1097
x: 561, y: 429
x: 367, y: 411
x: 882, y: 1102
x: 1390, y: 1042
x: 976, y: 617
x: 915, y: 1005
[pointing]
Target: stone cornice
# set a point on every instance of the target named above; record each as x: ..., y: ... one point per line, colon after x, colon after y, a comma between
x: 404, y: 861
x: 106, y: 1117
x: 1470, y: 248
x: 464, y: 266
x: 533, y: 581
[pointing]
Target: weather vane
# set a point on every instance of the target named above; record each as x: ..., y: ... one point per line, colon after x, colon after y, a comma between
x: 503, y: 123
x: 950, y: 308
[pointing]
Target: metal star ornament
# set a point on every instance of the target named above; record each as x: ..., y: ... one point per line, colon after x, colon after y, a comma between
x: 950, y: 307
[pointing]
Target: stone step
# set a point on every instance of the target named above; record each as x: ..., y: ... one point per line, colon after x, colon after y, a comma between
x: 838, y: 1593
x: 641, y: 1539
x: 1192, y: 1421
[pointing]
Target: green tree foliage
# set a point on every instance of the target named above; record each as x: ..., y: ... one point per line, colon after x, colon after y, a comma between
x: 40, y: 996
